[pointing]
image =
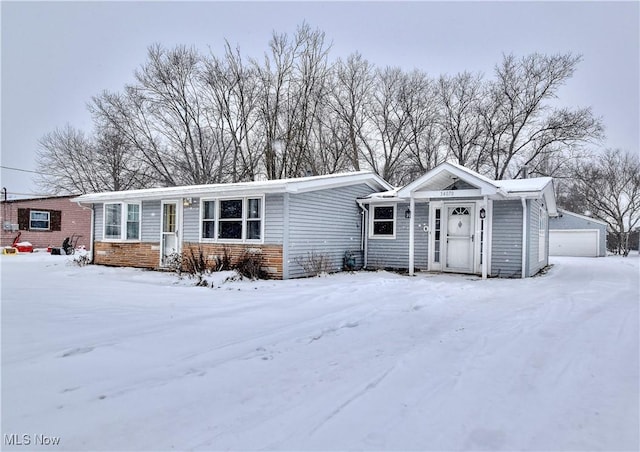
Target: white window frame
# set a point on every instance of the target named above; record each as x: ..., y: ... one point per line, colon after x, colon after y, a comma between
x: 372, y: 220
x: 31, y: 220
x: 245, y: 219
x: 124, y: 213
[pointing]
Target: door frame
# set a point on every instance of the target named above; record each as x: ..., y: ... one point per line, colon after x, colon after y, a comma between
x: 178, y: 233
x: 475, y: 249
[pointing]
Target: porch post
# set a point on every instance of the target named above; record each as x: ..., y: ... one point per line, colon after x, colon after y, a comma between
x: 483, y: 249
x: 412, y: 220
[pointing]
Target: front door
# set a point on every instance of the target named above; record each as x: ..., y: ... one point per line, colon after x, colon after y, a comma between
x: 459, y: 238
x: 169, y: 243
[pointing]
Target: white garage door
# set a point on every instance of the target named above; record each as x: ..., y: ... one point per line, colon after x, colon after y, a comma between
x: 575, y: 242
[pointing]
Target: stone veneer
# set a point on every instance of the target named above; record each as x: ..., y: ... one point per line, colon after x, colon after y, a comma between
x: 147, y: 255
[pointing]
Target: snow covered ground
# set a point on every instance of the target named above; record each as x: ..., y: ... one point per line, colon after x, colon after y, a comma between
x: 122, y: 359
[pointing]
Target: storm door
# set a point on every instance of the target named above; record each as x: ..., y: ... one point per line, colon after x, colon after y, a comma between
x: 169, y: 245
x: 459, y: 238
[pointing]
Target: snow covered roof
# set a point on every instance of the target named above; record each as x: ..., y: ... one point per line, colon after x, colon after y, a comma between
x: 291, y: 185
x: 447, y: 174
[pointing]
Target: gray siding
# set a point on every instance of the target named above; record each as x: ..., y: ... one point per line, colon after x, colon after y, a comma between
x: 394, y: 253
x: 151, y: 218
x: 191, y: 222
x: 326, y: 222
x: 274, y: 219
x: 98, y: 222
x: 506, y: 248
x: 567, y: 220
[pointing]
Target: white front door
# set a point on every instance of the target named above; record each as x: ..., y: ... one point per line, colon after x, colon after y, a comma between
x: 169, y: 241
x: 459, y: 251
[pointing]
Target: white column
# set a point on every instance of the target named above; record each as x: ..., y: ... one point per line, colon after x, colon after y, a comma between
x: 412, y: 220
x: 524, y: 237
x: 483, y: 250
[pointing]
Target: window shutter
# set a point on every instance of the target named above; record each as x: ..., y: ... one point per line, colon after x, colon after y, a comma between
x: 56, y: 220
x: 23, y: 219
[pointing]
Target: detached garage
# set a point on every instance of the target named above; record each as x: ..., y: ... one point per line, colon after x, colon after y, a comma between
x: 572, y: 234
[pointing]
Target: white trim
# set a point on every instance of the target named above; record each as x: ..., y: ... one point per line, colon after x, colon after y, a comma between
x: 372, y: 220
x: 412, y: 233
x: 244, y: 219
x: 123, y: 222
x: 32, y: 211
x: 524, y: 237
x: 242, y: 189
x: 178, y: 233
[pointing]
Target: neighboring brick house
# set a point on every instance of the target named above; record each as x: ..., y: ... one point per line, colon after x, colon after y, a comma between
x: 44, y: 221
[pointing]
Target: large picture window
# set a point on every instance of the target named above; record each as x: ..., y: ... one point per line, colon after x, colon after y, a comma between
x: 232, y: 219
x: 121, y: 221
x: 383, y: 222
x: 39, y: 220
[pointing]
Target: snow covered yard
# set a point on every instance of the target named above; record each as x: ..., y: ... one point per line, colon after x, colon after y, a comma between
x: 122, y: 359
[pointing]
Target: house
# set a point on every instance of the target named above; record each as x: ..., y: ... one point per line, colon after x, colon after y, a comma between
x: 284, y: 221
x: 455, y: 220
x: 449, y: 220
x: 572, y: 234
x: 44, y: 221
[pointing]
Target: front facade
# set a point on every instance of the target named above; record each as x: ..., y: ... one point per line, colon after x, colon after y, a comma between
x: 285, y: 222
x: 450, y: 220
x: 455, y: 220
x: 45, y: 222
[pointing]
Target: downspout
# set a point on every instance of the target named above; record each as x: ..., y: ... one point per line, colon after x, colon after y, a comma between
x: 412, y: 220
x: 363, y: 239
x: 91, y: 232
x: 524, y: 237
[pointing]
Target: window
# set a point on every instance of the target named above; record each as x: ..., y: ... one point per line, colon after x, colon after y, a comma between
x: 383, y: 222
x: 121, y: 221
x: 208, y: 219
x: 112, y: 221
x: 230, y: 222
x: 254, y: 222
x: 436, y: 241
x: 232, y: 219
x: 39, y: 220
x: 133, y: 222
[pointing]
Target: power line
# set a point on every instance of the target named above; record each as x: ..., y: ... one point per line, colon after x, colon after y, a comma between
x: 24, y: 170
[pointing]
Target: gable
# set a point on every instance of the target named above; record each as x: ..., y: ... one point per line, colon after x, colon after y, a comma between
x: 448, y: 177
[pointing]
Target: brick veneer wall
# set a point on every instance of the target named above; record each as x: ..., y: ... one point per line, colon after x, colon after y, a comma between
x: 75, y: 220
x: 127, y: 254
x: 147, y: 255
x: 271, y: 254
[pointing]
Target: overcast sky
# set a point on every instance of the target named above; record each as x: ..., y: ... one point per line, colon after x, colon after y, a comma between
x: 56, y: 56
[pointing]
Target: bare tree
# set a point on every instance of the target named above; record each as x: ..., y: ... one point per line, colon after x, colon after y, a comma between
x: 461, y: 97
x: 71, y: 162
x: 232, y: 93
x: 521, y: 129
x: 350, y: 94
x: 609, y: 187
x: 292, y: 83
